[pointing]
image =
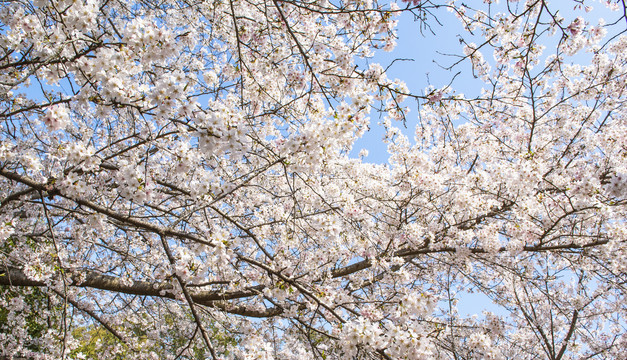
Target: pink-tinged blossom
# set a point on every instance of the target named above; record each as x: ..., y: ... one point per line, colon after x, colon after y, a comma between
x: 56, y: 117
x: 576, y: 26
x: 435, y: 96
x: 413, y: 2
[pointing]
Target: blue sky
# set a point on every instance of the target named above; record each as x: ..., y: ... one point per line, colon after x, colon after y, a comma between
x: 426, y: 56
x: 424, y: 53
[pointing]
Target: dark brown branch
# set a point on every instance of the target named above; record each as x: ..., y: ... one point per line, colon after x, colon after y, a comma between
x: 15, y: 277
x: 571, y: 331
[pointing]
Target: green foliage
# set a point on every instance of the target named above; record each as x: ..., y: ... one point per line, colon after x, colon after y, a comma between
x: 94, y: 340
x: 39, y: 315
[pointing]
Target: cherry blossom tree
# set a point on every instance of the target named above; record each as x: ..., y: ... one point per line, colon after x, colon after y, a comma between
x: 176, y: 182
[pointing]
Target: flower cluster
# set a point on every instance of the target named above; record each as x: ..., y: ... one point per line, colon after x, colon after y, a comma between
x: 400, y: 342
x: 56, y: 117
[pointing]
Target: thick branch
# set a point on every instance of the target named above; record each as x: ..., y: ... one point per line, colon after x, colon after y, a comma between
x: 16, y: 277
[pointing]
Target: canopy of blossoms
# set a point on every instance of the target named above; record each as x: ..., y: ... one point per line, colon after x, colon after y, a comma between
x: 176, y: 182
